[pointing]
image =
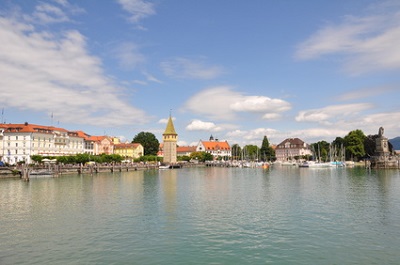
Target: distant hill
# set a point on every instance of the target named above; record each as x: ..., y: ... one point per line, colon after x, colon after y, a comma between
x: 395, y: 142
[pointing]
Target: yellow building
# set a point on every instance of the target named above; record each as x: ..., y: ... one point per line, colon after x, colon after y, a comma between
x: 129, y: 151
x: 170, y: 137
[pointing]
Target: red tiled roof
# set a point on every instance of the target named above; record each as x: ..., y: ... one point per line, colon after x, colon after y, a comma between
x: 30, y: 128
x: 292, y: 141
x: 216, y: 145
x: 96, y: 138
x: 186, y: 149
x: 83, y: 135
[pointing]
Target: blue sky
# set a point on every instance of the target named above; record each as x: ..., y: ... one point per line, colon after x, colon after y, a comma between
x: 238, y: 70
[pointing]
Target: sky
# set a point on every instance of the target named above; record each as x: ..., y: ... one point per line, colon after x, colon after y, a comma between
x: 236, y: 70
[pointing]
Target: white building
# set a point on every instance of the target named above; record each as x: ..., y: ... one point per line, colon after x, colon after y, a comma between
x: 215, y: 147
x: 18, y: 142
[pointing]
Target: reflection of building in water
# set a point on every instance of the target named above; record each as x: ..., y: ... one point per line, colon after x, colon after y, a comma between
x: 168, y: 180
x: 382, y: 157
x: 170, y: 137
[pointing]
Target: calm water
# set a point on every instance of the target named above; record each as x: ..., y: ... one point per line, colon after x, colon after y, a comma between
x: 203, y: 216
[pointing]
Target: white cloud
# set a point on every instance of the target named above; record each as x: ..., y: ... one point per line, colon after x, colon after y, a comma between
x: 260, y: 104
x: 372, y: 122
x: 368, y: 43
x: 198, y: 125
x: 313, y: 135
x: 46, y: 13
x: 151, y: 78
x: 165, y: 121
x: 223, y: 103
x: 183, y: 68
x: 254, y: 136
x: 43, y: 72
x: 138, y: 9
x: 183, y: 143
x: 271, y: 116
x: 129, y: 56
x: 367, y: 92
x: 329, y: 114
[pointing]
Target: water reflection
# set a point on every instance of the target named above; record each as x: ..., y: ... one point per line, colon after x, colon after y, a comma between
x: 168, y: 182
x: 205, y: 216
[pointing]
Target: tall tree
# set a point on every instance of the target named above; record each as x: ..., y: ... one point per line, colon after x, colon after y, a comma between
x: 149, y: 142
x: 370, y: 144
x: 266, y: 151
x: 354, y: 143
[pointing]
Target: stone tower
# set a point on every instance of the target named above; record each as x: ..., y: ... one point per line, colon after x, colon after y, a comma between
x: 382, y: 157
x: 170, y: 137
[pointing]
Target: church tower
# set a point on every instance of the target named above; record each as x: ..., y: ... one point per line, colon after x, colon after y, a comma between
x: 170, y: 137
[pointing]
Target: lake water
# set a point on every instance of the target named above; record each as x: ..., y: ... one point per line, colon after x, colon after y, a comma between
x: 283, y: 215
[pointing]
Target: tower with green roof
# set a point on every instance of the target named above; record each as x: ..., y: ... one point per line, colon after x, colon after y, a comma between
x: 170, y: 138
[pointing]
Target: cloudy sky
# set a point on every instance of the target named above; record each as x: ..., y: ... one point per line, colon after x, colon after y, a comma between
x: 238, y: 70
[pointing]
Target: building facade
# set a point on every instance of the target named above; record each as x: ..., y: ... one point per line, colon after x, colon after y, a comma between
x: 291, y: 148
x: 101, y: 145
x: 215, y: 147
x: 129, y: 151
x: 18, y: 142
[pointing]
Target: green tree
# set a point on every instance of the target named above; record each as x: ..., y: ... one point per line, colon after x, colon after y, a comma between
x: 266, y: 151
x: 320, y: 150
x: 354, y: 143
x: 36, y: 158
x: 149, y: 142
x: 82, y: 158
x: 183, y: 158
x: 150, y: 158
x: 251, y: 152
x: 197, y: 155
x: 339, y: 141
x: 236, y: 151
x: 207, y: 157
x: 370, y: 144
x: 202, y: 156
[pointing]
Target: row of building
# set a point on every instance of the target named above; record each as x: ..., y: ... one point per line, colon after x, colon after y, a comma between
x: 18, y: 142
